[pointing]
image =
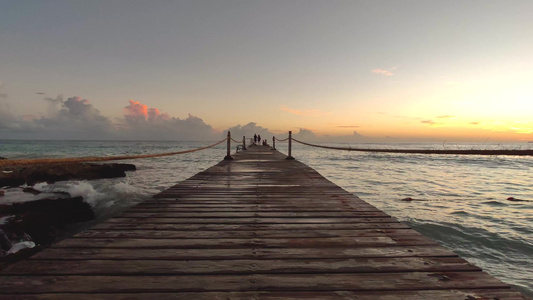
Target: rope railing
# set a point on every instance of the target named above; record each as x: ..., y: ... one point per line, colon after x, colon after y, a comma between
x: 321, y: 146
x: 517, y: 152
x: 23, y: 162
x: 289, y: 138
x: 283, y: 140
x: 274, y: 139
x: 428, y: 151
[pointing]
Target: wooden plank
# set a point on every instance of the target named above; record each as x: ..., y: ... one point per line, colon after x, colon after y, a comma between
x: 379, y: 241
x: 249, y: 208
x: 256, y: 214
x: 271, y: 199
x: 273, y: 282
x: 240, y: 253
x: 451, y: 294
x: 120, y: 219
x: 196, y: 267
x: 247, y: 227
x: 167, y: 234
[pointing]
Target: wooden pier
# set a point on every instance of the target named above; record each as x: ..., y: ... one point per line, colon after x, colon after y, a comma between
x: 256, y: 227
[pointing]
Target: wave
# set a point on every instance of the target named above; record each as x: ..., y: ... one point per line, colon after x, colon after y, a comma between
x: 460, y: 213
x: 498, y: 254
x: 105, y: 196
x: 494, y: 203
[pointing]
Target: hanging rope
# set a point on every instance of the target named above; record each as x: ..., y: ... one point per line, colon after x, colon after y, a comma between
x: 21, y: 162
x: 234, y: 140
x: 427, y: 151
x: 284, y: 140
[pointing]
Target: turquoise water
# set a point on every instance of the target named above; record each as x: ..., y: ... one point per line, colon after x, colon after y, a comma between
x: 460, y: 201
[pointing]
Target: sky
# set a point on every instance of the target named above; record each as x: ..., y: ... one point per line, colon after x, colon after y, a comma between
x: 351, y: 71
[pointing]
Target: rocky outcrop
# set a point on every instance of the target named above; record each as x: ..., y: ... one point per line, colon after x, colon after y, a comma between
x: 40, y: 222
x: 30, y: 175
x: 28, y: 226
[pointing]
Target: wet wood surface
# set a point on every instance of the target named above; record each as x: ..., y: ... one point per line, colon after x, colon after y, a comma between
x: 256, y: 227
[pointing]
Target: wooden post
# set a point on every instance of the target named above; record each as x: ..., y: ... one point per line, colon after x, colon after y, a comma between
x: 228, y: 156
x: 273, y: 143
x: 290, y: 147
x: 243, y: 142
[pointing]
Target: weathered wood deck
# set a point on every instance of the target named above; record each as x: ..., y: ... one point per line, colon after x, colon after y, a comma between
x: 257, y: 227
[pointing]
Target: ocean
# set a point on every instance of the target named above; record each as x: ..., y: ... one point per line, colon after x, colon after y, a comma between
x: 460, y: 201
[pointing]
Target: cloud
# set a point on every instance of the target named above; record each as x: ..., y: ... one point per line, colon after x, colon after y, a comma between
x: 522, y: 127
x: 307, y: 135
x: 77, y: 107
x: 142, y: 122
x: 7, y: 120
x: 430, y: 122
x: 135, y: 112
x: 407, y: 117
x: 348, y: 126
x: 55, y: 101
x: 309, y: 112
x: 76, y: 118
x: 384, y: 72
x: 40, y: 93
x: 525, y: 130
x: 474, y: 123
x: 356, y: 134
x: 248, y: 131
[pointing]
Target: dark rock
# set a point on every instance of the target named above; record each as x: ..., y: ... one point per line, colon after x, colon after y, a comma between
x: 20, y: 255
x: 125, y: 167
x: 43, y: 220
x: 31, y: 190
x: 2, y: 157
x: 11, y: 181
x: 65, y: 171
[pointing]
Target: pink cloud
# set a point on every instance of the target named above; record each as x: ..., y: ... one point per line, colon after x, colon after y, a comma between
x: 383, y: 72
x: 136, y: 109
